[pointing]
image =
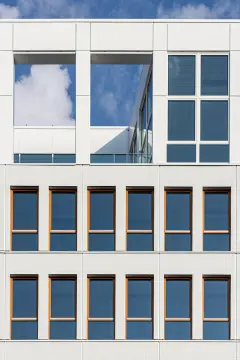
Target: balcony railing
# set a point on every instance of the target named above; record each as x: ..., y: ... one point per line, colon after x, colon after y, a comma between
x: 120, y: 159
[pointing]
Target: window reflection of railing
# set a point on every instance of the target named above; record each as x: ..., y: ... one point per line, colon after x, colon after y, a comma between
x: 120, y: 159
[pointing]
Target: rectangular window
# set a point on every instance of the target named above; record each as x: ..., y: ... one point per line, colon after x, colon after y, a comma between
x: 139, y: 220
x: 178, y: 220
x: 217, y: 216
x: 24, y: 219
x: 24, y: 308
x: 181, y: 120
x: 101, y: 308
x: 63, y: 221
x: 139, y: 308
x: 181, y: 75
x: 214, y: 120
x: 101, y: 220
x: 216, y: 321
x: 178, y: 305
x: 214, y: 75
x: 63, y: 292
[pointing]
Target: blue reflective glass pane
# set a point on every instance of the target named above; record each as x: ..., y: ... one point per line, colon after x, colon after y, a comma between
x: 178, y: 242
x: 216, y: 211
x: 178, y: 298
x: 101, y: 210
x: 181, y: 74
x: 139, y: 211
x: 140, y: 242
x: 181, y: 120
x: 139, y: 298
x: 24, y: 330
x: 64, y: 158
x: 24, y: 210
x: 101, y: 298
x: 101, y: 242
x: 102, y: 158
x: 214, y: 153
x: 24, y: 298
x: 181, y: 153
x: 215, y: 330
x: 63, y: 210
x: 149, y: 98
x: 216, y: 298
x: 16, y: 158
x: 178, y: 330
x: 36, y: 158
x: 144, y: 115
x: 214, y: 120
x: 216, y: 242
x: 178, y: 207
x: 214, y: 75
x: 101, y: 330
x: 120, y: 159
x: 24, y: 242
x: 63, y: 300
x: 139, y: 330
x: 63, y: 330
x: 63, y: 242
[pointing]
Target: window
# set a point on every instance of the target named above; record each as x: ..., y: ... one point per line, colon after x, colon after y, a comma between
x: 146, y: 123
x: 63, y: 308
x: 178, y: 305
x: 217, y: 215
x: 216, y: 321
x: 181, y: 75
x: 101, y: 220
x: 24, y: 222
x: 44, y: 158
x: 139, y: 308
x: 181, y: 120
x: 101, y: 308
x: 140, y: 220
x: 178, y: 220
x: 24, y: 308
x: 63, y: 221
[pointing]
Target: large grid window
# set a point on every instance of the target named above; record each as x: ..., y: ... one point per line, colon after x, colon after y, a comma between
x: 63, y: 220
x: 101, y: 308
x: 101, y: 220
x: 216, y: 320
x: 139, y: 220
x: 178, y: 220
x: 139, y: 308
x: 63, y: 308
x: 178, y: 308
x: 24, y: 219
x: 217, y: 220
x: 198, y: 114
x: 24, y: 308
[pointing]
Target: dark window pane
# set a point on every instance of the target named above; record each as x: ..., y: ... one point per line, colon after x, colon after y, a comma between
x: 181, y: 74
x: 149, y: 98
x: 181, y: 153
x: 101, y: 330
x: 24, y: 210
x: 181, y: 120
x: 139, y: 211
x: 216, y: 298
x: 101, y: 242
x: 214, y: 75
x: 101, y: 211
x: 63, y: 242
x: 178, y: 211
x: 120, y: 158
x: 24, y: 330
x: 16, y: 158
x: 214, y: 120
x: 214, y: 153
x: 140, y: 298
x: 63, y: 210
x: 178, y: 242
x: 36, y: 158
x: 64, y: 158
x: 216, y: 206
x: 216, y: 242
x: 24, y: 242
x: 215, y: 330
x: 177, y: 298
x: 63, y: 298
x: 178, y: 330
x: 102, y: 158
x: 101, y: 298
x: 139, y: 330
x: 140, y: 242
x: 63, y: 330
x: 24, y: 298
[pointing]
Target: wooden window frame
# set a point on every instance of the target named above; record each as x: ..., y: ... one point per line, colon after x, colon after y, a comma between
x: 220, y: 191
x: 101, y: 190
x: 25, y: 319
x: 166, y: 232
x: 188, y: 319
